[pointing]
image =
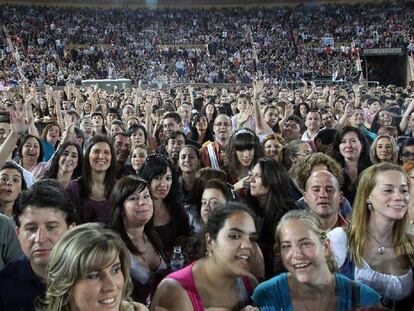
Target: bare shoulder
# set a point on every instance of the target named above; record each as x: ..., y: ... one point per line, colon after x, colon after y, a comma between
x: 171, y: 296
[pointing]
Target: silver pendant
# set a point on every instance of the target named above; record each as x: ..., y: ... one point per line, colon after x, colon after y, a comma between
x: 381, y: 249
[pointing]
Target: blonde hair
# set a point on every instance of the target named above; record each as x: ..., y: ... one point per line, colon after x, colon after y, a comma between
x: 357, y: 231
x: 307, y: 218
x: 373, y: 152
x: 84, y: 249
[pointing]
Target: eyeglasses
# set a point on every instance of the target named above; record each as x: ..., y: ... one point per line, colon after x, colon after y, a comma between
x: 220, y: 124
x: 408, y: 155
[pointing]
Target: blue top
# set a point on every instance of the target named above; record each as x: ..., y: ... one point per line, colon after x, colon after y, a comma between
x: 19, y: 286
x: 273, y: 295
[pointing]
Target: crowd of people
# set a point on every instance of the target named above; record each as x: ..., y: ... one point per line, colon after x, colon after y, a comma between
x: 54, y: 46
x: 246, y: 198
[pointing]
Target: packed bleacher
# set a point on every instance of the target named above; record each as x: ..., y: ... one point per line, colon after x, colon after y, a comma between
x: 249, y: 196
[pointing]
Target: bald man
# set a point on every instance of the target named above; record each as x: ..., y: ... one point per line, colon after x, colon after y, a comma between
x: 324, y: 198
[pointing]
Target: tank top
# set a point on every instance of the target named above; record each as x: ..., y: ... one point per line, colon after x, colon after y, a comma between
x: 186, y: 279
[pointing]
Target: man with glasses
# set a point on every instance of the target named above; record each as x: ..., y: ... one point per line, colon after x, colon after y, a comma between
x: 407, y: 151
x: 212, y: 154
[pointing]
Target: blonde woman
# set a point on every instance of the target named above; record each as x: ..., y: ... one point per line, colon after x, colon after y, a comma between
x: 310, y: 283
x: 376, y: 248
x: 384, y: 149
x: 89, y: 270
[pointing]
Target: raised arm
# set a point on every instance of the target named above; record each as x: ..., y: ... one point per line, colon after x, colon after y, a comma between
x: 18, y: 125
x: 261, y: 126
x: 406, y: 116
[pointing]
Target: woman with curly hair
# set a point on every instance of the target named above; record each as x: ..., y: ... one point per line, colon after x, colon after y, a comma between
x: 89, y: 270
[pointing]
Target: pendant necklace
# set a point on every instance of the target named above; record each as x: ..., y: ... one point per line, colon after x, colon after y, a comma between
x: 381, y: 247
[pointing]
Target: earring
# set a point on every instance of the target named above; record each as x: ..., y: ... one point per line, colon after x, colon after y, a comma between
x: 369, y: 206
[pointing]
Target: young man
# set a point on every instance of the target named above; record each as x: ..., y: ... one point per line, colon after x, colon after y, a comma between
x: 44, y: 216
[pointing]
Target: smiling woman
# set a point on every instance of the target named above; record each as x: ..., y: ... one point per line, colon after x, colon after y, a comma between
x: 310, y: 283
x: 132, y: 216
x: 221, y: 279
x: 90, y: 193
x: 89, y: 270
x: 376, y: 248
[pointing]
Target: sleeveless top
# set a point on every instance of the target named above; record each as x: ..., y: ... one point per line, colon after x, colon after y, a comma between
x: 390, y: 287
x: 186, y: 278
x: 145, y: 281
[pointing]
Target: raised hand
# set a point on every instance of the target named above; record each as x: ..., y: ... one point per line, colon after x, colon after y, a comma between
x: 258, y: 88
x: 18, y: 123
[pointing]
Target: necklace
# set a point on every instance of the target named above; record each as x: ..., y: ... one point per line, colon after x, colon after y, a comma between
x: 381, y: 247
x: 331, y: 294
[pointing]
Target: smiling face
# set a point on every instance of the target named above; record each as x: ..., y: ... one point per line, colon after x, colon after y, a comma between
x: 384, y: 118
x: 31, y: 149
x: 390, y: 196
x: 161, y: 185
x: 272, y: 148
x: 138, y: 208
x: 384, y: 149
x: 138, y: 156
x: 271, y: 117
x: 100, y: 157
x: 99, y: 290
x: 235, y: 246
x: 122, y: 146
x: 68, y: 161
x: 302, y: 252
x: 188, y: 161
x: 350, y: 146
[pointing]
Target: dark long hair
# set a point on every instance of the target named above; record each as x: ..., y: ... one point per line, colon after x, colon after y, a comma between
x: 364, y: 160
x: 14, y: 166
x: 122, y: 190
x: 85, y: 180
x: 208, y: 135
x: 155, y: 165
x: 274, y: 176
x: 242, y: 139
x: 52, y: 172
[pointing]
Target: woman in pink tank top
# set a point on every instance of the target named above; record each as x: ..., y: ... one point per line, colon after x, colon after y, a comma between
x: 221, y: 279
